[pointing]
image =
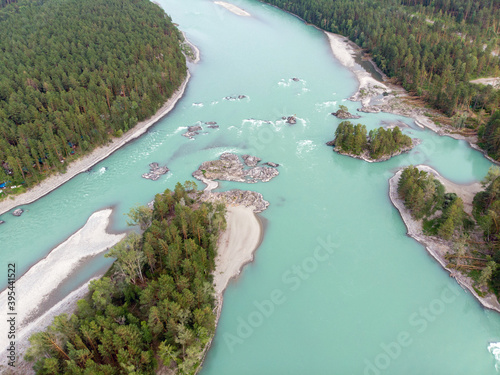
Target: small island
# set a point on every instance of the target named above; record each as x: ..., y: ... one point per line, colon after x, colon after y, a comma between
x: 456, y: 223
x: 378, y: 145
x: 344, y: 114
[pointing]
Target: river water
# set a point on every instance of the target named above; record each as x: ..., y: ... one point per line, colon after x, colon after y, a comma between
x: 336, y: 287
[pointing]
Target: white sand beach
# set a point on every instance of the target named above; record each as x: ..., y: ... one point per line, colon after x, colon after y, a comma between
x: 233, y: 8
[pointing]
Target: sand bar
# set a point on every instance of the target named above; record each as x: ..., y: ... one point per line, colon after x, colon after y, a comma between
x: 435, y: 246
x: 44, y: 277
x: 233, y: 8
x: 84, y: 163
x: 236, y: 245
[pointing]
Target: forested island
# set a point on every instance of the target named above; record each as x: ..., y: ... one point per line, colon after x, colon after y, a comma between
x: 379, y: 145
x: 464, y: 240
x: 74, y: 74
x: 433, y: 49
x: 154, y: 309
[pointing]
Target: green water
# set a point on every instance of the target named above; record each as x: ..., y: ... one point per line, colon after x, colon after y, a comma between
x: 336, y: 287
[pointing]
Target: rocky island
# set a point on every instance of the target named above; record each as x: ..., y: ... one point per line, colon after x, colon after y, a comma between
x: 230, y: 168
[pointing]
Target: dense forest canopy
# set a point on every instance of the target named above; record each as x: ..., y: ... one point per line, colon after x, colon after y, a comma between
x: 75, y: 72
x: 474, y: 239
x: 433, y: 48
x: 154, y: 307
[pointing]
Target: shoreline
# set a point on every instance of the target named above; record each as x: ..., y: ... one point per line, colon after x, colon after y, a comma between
x: 236, y: 256
x: 344, y: 51
x: 87, y: 161
x: 437, y: 247
x: 45, y: 277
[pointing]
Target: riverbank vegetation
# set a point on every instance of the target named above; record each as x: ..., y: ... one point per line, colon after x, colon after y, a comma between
x: 154, y: 308
x: 75, y: 73
x: 473, y: 239
x: 433, y: 49
x: 379, y: 144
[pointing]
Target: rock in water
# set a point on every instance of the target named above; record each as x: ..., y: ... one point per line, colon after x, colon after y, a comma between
x: 1, y: 222
x: 18, y: 212
x: 155, y: 172
x: 344, y: 115
x: 271, y: 164
x: 291, y: 120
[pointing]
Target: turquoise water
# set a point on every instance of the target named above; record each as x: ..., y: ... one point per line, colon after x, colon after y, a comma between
x: 336, y: 287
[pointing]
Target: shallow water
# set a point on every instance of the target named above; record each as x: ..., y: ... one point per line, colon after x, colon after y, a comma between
x: 336, y: 287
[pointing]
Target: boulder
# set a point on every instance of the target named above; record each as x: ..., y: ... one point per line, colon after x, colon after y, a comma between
x: 251, y: 161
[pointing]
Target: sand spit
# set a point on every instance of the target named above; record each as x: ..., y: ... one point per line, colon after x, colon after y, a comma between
x: 233, y: 8
x: 435, y: 246
x: 44, y: 277
x: 81, y: 165
x: 236, y: 245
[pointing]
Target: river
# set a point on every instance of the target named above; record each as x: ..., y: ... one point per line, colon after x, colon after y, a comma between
x: 336, y: 286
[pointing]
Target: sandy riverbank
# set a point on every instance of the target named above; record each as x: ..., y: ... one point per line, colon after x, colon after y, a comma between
x: 493, y: 81
x: 437, y: 247
x: 344, y: 51
x: 233, y: 8
x: 41, y: 280
x: 84, y: 163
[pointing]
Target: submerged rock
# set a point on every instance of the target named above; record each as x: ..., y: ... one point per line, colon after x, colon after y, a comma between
x: 271, y: 164
x: 211, y: 123
x: 155, y: 172
x: 18, y: 212
x: 213, y: 126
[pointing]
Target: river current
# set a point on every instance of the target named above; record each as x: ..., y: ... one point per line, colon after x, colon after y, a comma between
x: 336, y: 286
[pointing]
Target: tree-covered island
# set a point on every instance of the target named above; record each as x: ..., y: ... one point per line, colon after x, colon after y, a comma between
x: 470, y: 237
x: 378, y: 145
x: 154, y: 309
